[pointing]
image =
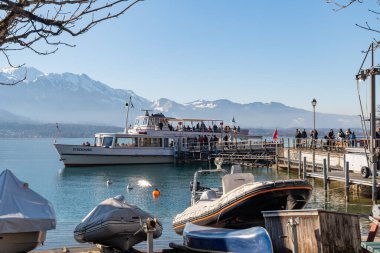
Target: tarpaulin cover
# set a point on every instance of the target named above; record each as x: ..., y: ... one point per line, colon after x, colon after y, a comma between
x: 22, y: 209
x: 112, y: 209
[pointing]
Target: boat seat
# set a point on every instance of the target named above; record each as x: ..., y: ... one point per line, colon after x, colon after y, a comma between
x: 208, y: 195
x: 232, y: 181
x: 236, y: 169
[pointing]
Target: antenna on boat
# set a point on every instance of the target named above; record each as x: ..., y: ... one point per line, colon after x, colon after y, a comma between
x: 57, y: 133
x: 128, y: 104
x: 146, y: 111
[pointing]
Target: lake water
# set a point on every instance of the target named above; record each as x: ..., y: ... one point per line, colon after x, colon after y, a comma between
x: 74, y: 192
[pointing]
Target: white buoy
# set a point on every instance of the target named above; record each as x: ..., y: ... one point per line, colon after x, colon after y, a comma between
x: 109, y: 182
x: 129, y: 187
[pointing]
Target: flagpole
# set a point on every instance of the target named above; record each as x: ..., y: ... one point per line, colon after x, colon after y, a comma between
x: 126, y: 120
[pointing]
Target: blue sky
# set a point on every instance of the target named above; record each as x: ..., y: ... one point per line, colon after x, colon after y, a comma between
x: 241, y: 50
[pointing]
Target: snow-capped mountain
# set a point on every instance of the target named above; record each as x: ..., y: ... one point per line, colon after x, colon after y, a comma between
x: 65, y: 97
x: 73, y: 98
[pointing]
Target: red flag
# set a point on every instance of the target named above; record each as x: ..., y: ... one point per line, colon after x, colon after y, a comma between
x: 275, y: 135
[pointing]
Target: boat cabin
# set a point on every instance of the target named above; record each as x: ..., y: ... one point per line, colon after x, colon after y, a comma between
x: 127, y: 141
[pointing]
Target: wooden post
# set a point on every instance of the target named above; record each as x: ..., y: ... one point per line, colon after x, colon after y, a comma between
x: 313, y: 161
x: 276, y: 156
x: 293, y: 222
x: 324, y: 174
x: 304, y: 168
x: 344, y: 161
x: 289, y: 160
x: 328, y: 162
x: 347, y: 181
x: 299, y: 163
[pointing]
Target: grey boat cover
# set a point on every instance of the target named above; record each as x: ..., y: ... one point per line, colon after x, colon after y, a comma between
x: 112, y: 209
x: 22, y: 209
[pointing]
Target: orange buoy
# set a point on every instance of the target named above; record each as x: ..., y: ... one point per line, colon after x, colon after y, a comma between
x: 156, y: 193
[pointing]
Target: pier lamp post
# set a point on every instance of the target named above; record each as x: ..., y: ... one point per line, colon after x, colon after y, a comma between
x: 313, y: 103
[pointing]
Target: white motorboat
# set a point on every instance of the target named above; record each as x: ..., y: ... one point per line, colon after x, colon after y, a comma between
x: 116, y: 224
x: 154, y: 138
x: 25, y: 216
x: 240, y: 200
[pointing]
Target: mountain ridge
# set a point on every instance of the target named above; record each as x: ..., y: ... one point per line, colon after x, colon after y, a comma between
x: 78, y: 99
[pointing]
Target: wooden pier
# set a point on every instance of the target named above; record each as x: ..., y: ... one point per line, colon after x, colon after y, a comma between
x: 246, y: 153
x: 325, y: 165
x: 354, y: 178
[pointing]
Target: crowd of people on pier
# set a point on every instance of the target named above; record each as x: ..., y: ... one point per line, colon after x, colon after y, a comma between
x: 347, y: 138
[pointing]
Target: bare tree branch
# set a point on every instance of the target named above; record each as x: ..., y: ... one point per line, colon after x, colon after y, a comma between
x: 28, y: 24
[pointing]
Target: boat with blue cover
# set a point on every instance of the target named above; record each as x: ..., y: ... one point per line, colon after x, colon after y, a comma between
x: 208, y: 239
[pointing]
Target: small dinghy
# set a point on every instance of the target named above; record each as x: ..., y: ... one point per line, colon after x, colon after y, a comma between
x: 25, y: 216
x: 116, y: 224
x: 240, y: 200
x: 208, y: 239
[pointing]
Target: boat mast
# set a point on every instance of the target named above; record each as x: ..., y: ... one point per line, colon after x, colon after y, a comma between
x: 126, y: 120
x: 362, y: 76
x: 373, y: 128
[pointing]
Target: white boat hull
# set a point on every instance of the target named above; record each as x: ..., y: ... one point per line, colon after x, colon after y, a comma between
x: 77, y: 155
x: 21, y: 242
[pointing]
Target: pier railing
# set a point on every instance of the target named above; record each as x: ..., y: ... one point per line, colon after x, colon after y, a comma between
x: 338, y: 145
x: 220, y: 146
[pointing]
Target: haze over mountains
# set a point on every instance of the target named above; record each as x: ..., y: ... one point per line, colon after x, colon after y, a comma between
x: 77, y: 99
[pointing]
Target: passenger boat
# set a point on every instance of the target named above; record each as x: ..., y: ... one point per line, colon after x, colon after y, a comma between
x: 208, y: 239
x: 240, y: 200
x: 154, y: 138
x: 25, y: 216
x: 116, y: 224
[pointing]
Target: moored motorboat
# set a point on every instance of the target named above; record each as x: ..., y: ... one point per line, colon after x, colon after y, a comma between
x: 240, y: 201
x: 116, y: 224
x: 25, y: 216
x: 208, y: 239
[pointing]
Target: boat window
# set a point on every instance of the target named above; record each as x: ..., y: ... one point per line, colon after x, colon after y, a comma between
x: 151, y: 122
x: 137, y: 122
x: 145, y: 121
x: 98, y: 141
x: 168, y: 142
x: 150, y: 142
x: 126, y: 142
x: 107, y: 141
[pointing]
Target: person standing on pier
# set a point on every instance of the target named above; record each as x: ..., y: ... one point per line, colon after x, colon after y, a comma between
x: 298, y: 138
x: 330, y: 138
x: 304, y: 137
x: 225, y: 138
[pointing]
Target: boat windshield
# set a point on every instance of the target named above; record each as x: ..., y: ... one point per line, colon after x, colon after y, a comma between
x: 107, y: 142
